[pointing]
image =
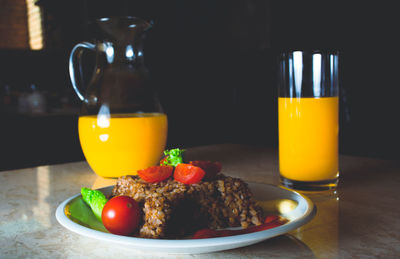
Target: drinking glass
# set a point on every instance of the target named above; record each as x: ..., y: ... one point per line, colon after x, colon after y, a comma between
x: 308, y: 119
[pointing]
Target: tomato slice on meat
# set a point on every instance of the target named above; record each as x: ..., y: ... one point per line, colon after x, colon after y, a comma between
x: 154, y: 174
x: 211, y: 168
x: 188, y: 174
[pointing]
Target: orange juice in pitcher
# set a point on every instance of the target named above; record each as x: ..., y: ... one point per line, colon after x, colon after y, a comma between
x: 123, y: 143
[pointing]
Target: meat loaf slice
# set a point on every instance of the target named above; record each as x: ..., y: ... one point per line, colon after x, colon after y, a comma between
x: 173, y: 209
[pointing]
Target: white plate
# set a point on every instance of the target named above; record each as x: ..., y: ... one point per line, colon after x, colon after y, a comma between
x: 292, y: 205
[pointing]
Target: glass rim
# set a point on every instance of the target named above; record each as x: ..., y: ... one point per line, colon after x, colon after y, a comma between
x: 311, y: 51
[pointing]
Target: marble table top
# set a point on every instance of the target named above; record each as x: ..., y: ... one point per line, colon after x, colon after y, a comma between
x: 359, y: 220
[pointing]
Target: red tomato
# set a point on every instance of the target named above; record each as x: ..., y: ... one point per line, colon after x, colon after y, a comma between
x: 262, y: 227
x: 188, y: 174
x: 205, y: 233
x: 273, y: 218
x: 154, y: 174
x: 270, y: 222
x: 121, y: 215
x: 211, y: 168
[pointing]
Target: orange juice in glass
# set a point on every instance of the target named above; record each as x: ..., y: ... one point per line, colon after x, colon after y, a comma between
x: 308, y: 138
x: 308, y: 120
x: 121, y: 144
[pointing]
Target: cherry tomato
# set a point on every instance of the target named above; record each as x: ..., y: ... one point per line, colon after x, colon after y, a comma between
x: 273, y: 218
x: 211, y: 168
x: 121, y: 215
x: 269, y: 222
x: 188, y: 174
x: 205, y: 233
x: 154, y: 174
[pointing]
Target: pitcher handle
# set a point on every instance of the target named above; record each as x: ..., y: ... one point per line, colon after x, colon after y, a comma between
x: 75, y: 61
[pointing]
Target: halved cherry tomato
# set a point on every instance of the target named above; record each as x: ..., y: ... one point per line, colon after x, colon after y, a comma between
x: 188, y: 174
x: 269, y: 222
x: 211, y: 168
x: 205, y: 233
x: 274, y: 218
x: 154, y: 174
x: 121, y: 215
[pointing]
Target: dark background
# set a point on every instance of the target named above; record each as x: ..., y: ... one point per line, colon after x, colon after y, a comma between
x: 214, y: 64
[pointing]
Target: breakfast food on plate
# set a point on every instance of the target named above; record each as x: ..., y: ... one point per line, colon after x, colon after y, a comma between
x: 173, y: 209
x: 177, y: 199
x: 195, y: 197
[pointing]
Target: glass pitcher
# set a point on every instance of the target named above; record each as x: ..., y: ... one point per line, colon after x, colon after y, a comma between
x: 122, y: 127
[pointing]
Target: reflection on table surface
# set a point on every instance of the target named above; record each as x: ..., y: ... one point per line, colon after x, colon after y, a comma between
x: 325, y: 225
x: 348, y: 223
x: 101, y: 182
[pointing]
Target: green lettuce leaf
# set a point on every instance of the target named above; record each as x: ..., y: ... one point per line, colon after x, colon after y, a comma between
x: 95, y: 199
x: 173, y: 157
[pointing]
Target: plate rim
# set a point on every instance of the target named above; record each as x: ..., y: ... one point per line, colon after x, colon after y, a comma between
x: 178, y: 246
